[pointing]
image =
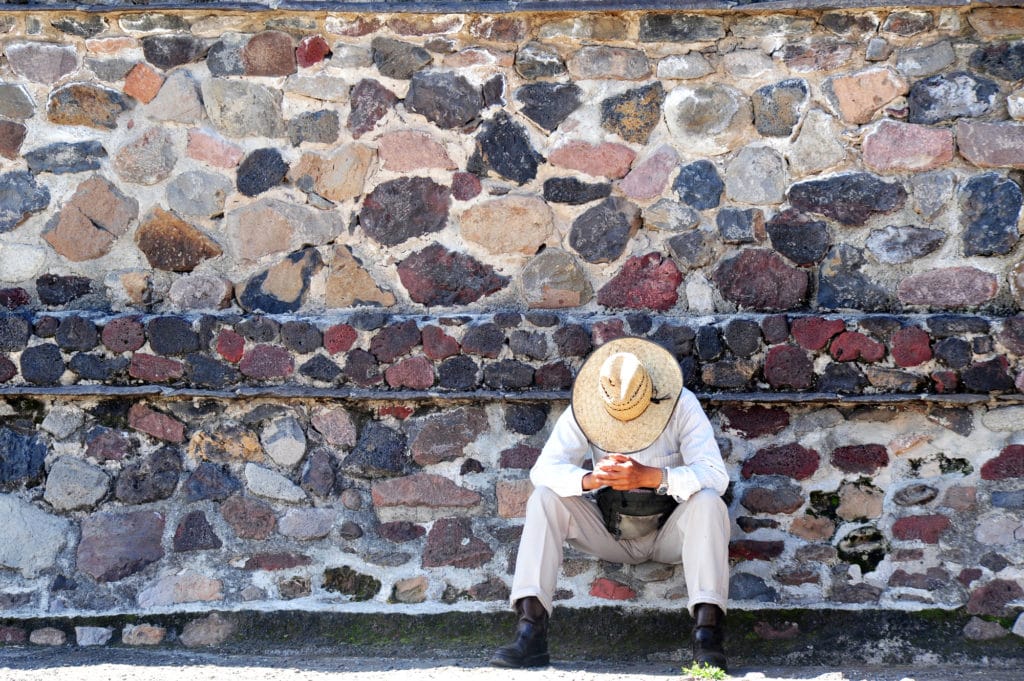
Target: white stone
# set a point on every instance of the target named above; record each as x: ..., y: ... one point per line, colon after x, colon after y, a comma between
x: 700, y: 295
x: 201, y: 292
x: 178, y: 100
x: 997, y: 530
x: 32, y: 538
x: 189, y: 587
x: 320, y: 86
x: 1015, y: 105
x: 707, y: 119
x: 62, y: 421
x: 757, y: 176
x: 284, y: 441
x: 72, y: 484
x: 306, y: 523
x: 93, y: 636
x: 1018, y: 626
x: 1006, y: 419
x: 684, y: 66
x: 21, y: 262
x: 47, y: 636
x: 747, y: 63
x: 817, y: 147
x: 266, y: 483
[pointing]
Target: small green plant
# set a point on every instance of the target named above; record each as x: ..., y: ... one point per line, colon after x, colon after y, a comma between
x: 704, y: 672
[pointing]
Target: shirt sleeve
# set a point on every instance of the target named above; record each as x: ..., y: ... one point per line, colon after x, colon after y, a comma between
x: 560, y: 464
x: 695, y: 438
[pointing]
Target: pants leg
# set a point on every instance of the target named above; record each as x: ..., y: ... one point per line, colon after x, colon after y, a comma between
x: 697, y: 535
x: 551, y: 521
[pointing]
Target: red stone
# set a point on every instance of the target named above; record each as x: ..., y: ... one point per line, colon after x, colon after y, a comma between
x: 791, y: 459
x: 249, y: 518
x: 602, y: 587
x: 994, y: 597
x: 398, y: 411
x: 755, y: 421
x: 968, y: 575
x: 151, y: 422
x: 339, y: 338
x: 521, y: 456
x: 437, y: 344
x: 606, y: 159
x: 143, y: 83
x: 276, y: 561
x: 451, y: 543
x: 860, y: 458
x: 465, y: 186
x: 13, y: 298
x: 752, y: 549
x: 911, y: 346
x: 108, y: 445
x: 152, y: 368
x: 761, y: 279
x: 270, y: 53
x: 11, y: 137
x: 415, y: 373
x: 926, y: 528
x: 788, y: 366
x: 266, y: 362
x: 814, y: 333
x: 13, y: 635
x: 1009, y: 464
x: 851, y: 346
x: 312, y: 49
x: 946, y: 381
x: 423, y: 489
x: 124, y: 334
x: 991, y: 144
x: 896, y: 147
x: 648, y: 282
x: 230, y: 345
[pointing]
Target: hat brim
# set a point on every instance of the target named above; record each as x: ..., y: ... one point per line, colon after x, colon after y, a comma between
x: 604, y: 430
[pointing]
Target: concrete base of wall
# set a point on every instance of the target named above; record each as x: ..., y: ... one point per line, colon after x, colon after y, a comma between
x: 754, y: 638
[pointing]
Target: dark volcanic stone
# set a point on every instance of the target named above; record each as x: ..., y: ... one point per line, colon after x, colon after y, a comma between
x: 536, y: 60
x: 633, y: 114
x: 380, y: 452
x: 96, y: 368
x: 302, y: 337
x: 397, y: 59
x: 841, y: 284
x: 683, y: 28
x: 362, y: 369
x: 508, y: 374
x: 21, y: 457
x: 77, y: 333
x: 949, y: 96
x: 601, y: 233
x: 982, y: 377
x: 787, y: 366
x: 841, y: 377
x: 8, y: 369
x: 503, y: 146
x: 437, y: 276
x: 743, y: 336
x: 13, y: 298
x: 395, y: 340
x: 777, y: 107
x: 42, y: 364
x: 709, y: 344
x: 1001, y: 60
x: 401, y: 531
x: 168, y: 51
x: 572, y: 340
x: 320, y: 368
x: 526, y: 418
x: 749, y: 587
x: 54, y: 289
x: 553, y: 376
x: 699, y: 185
x: 800, y: 238
x: 574, y: 191
x: 83, y: 28
x: 370, y: 101
x: 739, y: 225
x: 20, y: 196
x: 115, y: 545
x: 953, y: 352
x: 171, y: 336
x: 548, y: 104
x: 850, y: 199
x: 66, y: 157
x: 15, y: 332
x: 318, y: 475
x: 446, y: 99
x: 261, y: 170
x: 485, y: 340
x: 989, y: 209
x: 194, y: 533
x: 678, y: 340
x: 531, y: 344
x: 791, y: 460
x: 759, y: 279
x: 398, y: 210
x: 259, y: 329
x: 210, y: 481
x: 151, y: 480
x: 947, y: 325
x: 451, y: 543
x: 458, y: 373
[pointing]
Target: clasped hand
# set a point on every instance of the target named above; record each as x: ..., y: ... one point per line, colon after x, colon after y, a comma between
x: 623, y: 473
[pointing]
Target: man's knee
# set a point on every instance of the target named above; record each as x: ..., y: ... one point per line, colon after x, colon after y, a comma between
x: 542, y: 500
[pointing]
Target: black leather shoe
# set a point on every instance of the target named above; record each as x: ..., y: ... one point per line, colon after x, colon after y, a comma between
x: 709, y: 636
x: 530, y: 649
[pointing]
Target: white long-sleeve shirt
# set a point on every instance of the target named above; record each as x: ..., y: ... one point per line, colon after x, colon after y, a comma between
x: 686, y: 447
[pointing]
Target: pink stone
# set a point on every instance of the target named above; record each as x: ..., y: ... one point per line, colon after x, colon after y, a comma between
x: 649, y: 178
x: 312, y: 50
x: 230, y: 345
x: 607, y: 330
x: 648, y: 282
x: 151, y: 422
x: 991, y: 145
x: 415, y: 373
x: 600, y: 160
x: 512, y: 497
x: 423, y: 489
x: 276, y: 561
x: 858, y: 96
x: 602, y: 587
x: 209, y: 148
x: 960, y: 498
x: 270, y: 53
x: 521, y: 456
x: 404, y: 151
x: 911, y: 346
x: 465, y: 186
x: 813, y: 333
x: 896, y: 147
x: 267, y: 361
x: 152, y: 368
x: 926, y: 528
x: 124, y: 334
x: 437, y: 344
x: 398, y: 411
x: 339, y: 338
x: 11, y: 137
x: 951, y: 287
x: 1009, y: 464
x: 851, y: 346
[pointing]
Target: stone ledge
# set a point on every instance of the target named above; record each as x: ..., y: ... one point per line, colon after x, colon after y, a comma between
x: 791, y: 637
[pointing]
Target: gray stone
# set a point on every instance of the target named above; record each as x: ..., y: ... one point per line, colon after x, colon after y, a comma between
x: 919, y: 62
x: 989, y: 210
x: 110, y: 70
x: 950, y: 96
x: 284, y: 441
x: 670, y: 216
x: 574, y: 191
x: 93, y: 636
x: 850, y: 198
x: 306, y: 524
x: 601, y: 61
x: 707, y: 119
x: 148, y: 158
x: 178, y: 100
x: 684, y: 66
x: 601, y: 233
x: 397, y: 59
x: 899, y: 244
x: 1001, y: 60
x: 841, y: 284
x: 225, y: 55
x: 800, y: 238
x: 21, y: 456
x: 75, y: 484
x: 739, y: 226
x: 555, y: 279
x: 86, y: 104
x: 32, y: 537
x: 16, y: 103
x: 932, y: 191
x: 777, y: 107
x: 20, y: 197
x: 679, y: 27
x: 757, y: 175
x: 62, y: 421
x: 446, y: 99
x: 380, y: 452
x: 317, y: 127
x: 269, y: 484
x: 167, y: 51
x: 691, y: 250
x: 44, y: 63
x: 66, y: 157
x: 534, y: 60
x: 817, y: 146
x: 747, y: 587
x: 398, y: 210
x: 197, y: 192
x: 242, y: 109
x: 212, y: 630
x: 878, y: 49
x: 322, y: 85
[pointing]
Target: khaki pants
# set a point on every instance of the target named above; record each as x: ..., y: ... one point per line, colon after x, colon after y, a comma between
x: 696, y: 535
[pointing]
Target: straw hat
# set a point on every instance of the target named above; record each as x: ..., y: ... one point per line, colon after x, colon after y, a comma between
x: 624, y: 394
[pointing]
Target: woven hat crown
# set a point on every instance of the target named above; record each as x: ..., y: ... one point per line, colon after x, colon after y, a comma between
x: 625, y: 386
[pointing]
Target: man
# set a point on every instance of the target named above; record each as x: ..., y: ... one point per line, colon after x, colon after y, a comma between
x: 659, y: 476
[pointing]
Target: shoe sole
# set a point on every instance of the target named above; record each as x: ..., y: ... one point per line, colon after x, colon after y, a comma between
x: 535, y: 661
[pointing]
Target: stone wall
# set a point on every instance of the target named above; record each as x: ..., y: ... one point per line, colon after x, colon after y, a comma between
x: 291, y: 300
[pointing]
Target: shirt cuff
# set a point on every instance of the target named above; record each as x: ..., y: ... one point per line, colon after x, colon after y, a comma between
x: 682, y: 482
